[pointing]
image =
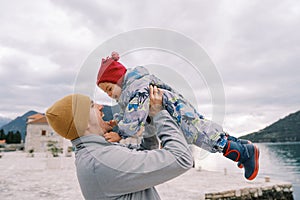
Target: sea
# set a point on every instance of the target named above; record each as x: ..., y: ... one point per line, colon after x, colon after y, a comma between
x: 279, y: 161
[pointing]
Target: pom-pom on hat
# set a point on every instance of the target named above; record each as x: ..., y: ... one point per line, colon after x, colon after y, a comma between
x: 69, y: 116
x: 111, y: 70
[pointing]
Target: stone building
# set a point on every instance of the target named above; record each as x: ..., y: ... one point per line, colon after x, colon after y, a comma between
x: 39, y: 133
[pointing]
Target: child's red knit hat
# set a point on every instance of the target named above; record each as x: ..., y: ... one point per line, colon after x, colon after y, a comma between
x: 111, y: 70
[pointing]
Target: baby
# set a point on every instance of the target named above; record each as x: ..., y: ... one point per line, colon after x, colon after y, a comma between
x: 130, y: 88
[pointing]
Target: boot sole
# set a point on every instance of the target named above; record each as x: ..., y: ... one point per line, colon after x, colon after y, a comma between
x: 256, y: 168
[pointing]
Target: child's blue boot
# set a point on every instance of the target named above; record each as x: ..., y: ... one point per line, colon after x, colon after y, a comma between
x: 239, y: 164
x: 245, y: 153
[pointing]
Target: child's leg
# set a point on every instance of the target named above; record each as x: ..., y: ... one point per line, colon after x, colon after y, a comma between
x: 205, y: 134
x: 211, y: 137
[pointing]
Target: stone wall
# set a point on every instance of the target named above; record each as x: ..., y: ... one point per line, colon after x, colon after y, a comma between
x: 279, y: 191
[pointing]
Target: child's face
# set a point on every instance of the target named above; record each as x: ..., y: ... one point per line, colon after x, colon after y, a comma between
x: 113, y: 90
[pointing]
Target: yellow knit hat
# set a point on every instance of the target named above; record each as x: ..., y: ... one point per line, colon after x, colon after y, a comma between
x: 69, y: 116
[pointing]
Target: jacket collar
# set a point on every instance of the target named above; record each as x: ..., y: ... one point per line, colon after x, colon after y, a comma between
x: 88, y: 140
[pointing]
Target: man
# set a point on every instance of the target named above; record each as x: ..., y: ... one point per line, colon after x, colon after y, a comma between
x: 110, y: 171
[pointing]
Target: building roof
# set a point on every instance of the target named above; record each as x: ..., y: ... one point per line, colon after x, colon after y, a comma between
x: 37, y: 119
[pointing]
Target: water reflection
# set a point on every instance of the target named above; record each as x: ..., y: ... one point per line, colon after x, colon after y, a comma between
x: 282, y: 161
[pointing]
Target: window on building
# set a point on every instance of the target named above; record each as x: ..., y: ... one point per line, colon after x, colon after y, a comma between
x: 43, y: 132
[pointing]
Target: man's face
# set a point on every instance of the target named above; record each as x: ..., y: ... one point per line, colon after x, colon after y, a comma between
x: 113, y: 90
x: 97, y: 124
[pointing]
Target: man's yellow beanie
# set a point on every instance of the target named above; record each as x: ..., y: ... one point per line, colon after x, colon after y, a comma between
x: 69, y: 116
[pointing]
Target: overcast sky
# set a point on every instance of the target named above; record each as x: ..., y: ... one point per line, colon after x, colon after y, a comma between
x: 255, y: 46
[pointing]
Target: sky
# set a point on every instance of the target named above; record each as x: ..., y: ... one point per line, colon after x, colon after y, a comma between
x: 254, y: 46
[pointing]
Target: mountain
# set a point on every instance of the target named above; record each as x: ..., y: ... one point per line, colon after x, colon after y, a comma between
x: 283, y: 130
x: 18, y: 124
x: 4, y: 120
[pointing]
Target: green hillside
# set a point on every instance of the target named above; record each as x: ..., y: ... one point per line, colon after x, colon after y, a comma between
x: 284, y: 130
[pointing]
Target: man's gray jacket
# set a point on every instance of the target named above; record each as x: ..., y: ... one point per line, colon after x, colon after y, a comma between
x: 112, y: 171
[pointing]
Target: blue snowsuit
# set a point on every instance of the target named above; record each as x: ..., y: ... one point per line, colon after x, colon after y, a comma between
x: 134, y: 103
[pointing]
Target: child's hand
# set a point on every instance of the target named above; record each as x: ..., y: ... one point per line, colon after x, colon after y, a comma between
x: 113, y: 123
x: 112, y: 137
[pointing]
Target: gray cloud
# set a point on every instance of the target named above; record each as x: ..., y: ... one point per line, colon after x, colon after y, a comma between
x: 254, y: 45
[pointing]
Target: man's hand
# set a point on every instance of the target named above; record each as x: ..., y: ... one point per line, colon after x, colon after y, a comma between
x: 112, y: 137
x: 155, y: 100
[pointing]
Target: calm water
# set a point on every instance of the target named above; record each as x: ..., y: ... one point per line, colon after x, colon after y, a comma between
x: 279, y: 161
x: 282, y: 161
